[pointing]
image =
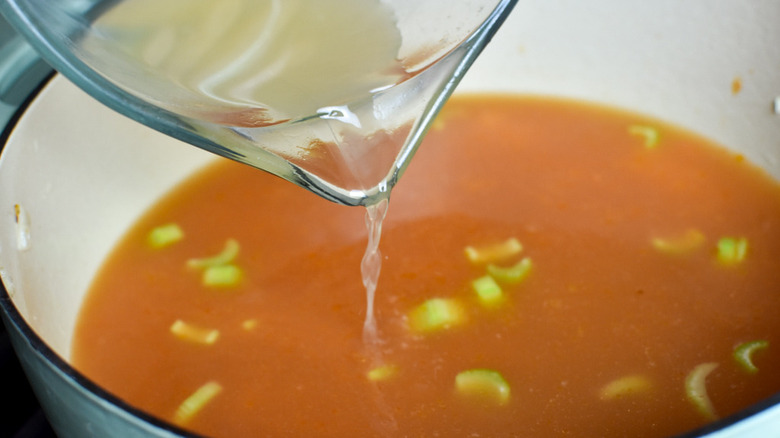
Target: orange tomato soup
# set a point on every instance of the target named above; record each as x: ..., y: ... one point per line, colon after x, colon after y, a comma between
x: 623, y: 283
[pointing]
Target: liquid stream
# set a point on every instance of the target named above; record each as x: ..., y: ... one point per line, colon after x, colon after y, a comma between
x: 371, y: 265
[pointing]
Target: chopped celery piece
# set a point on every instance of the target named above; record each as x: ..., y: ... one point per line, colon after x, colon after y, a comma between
x: 513, y: 274
x: 648, y: 133
x: 165, y: 235
x: 743, y: 354
x: 488, y: 291
x: 696, y: 389
x: 192, y: 333
x: 495, y: 252
x: 382, y: 372
x: 483, y: 384
x: 228, y: 254
x: 436, y: 314
x: 624, y: 386
x: 222, y: 276
x: 196, y: 402
x: 684, y: 243
x: 732, y: 250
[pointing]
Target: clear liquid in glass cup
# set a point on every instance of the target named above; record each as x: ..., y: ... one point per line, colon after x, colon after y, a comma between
x: 333, y: 96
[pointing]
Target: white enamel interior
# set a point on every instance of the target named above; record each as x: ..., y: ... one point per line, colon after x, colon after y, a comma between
x: 82, y: 174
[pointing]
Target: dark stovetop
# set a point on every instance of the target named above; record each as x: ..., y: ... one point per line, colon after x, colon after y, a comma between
x: 20, y: 416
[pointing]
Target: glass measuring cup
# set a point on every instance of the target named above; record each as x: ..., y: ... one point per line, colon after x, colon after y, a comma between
x: 332, y: 96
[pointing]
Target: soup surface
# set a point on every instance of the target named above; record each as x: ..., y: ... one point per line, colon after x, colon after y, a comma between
x: 551, y: 268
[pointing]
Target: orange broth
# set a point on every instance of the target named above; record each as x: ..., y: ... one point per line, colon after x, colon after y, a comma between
x: 574, y: 183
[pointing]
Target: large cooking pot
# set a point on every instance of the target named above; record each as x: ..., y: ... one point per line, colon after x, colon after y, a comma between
x: 74, y: 175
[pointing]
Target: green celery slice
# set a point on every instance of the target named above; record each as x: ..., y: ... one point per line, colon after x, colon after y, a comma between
x: 743, y: 354
x: 513, y: 274
x: 228, y: 254
x: 696, y: 390
x: 164, y: 235
x: 488, y: 291
x: 732, y: 250
x: 625, y: 386
x: 483, y: 384
x: 492, y: 253
x: 192, y: 333
x: 436, y: 314
x: 648, y: 133
x: 196, y: 402
x: 382, y: 372
x: 222, y: 276
x: 689, y: 241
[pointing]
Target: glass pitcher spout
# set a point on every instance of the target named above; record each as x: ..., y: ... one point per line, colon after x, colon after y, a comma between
x: 332, y: 96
